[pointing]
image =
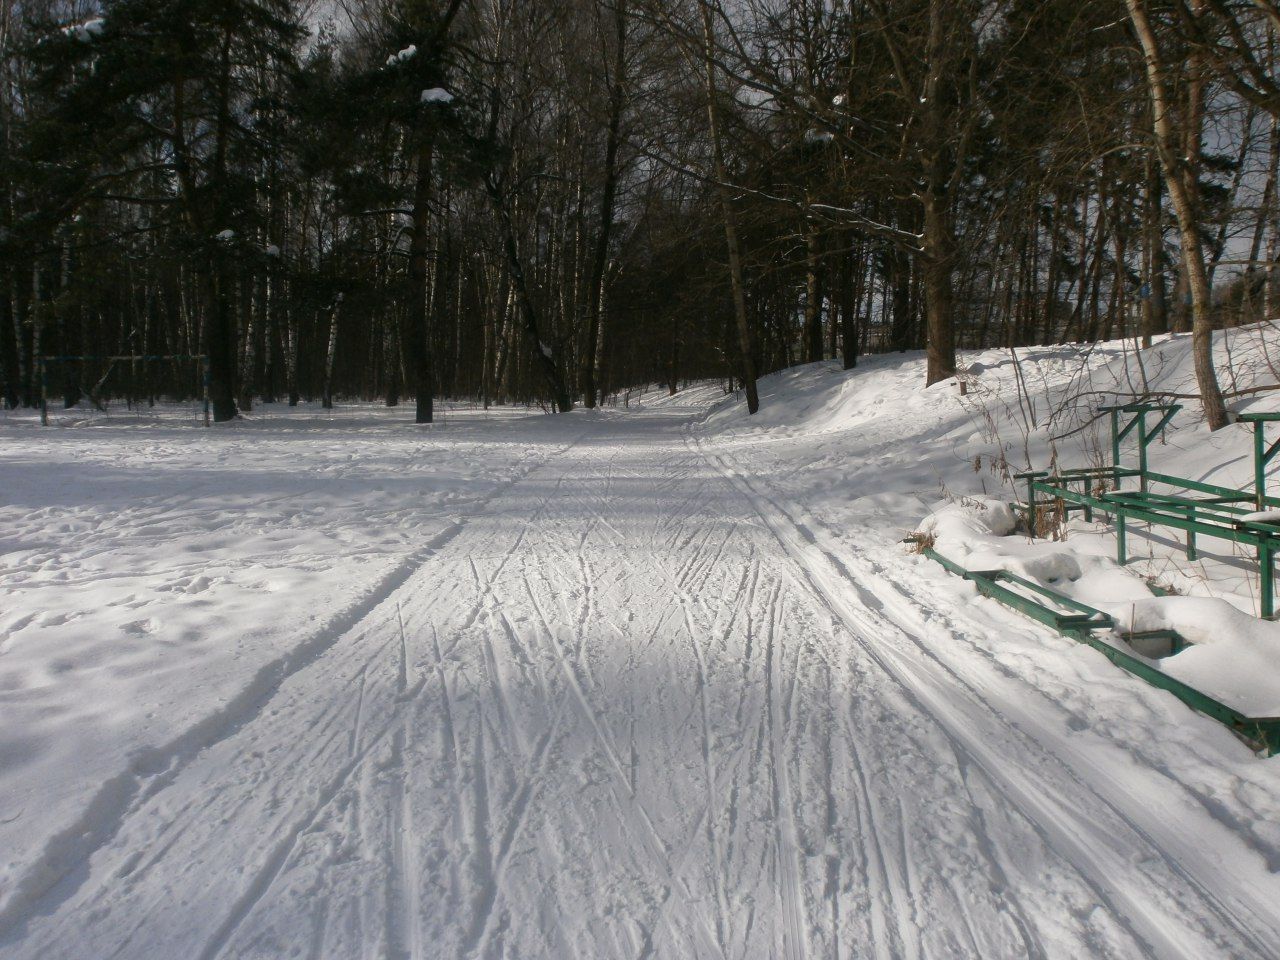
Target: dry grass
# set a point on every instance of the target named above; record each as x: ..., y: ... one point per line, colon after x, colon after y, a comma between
x: 922, y: 541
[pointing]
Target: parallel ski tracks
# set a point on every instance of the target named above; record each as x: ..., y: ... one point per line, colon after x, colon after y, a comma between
x: 631, y: 708
x: 698, y: 560
x: 1059, y: 823
x: 162, y: 768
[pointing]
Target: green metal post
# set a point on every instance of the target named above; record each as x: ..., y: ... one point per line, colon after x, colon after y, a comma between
x: 1267, y: 572
x: 1191, y: 546
x: 1263, y: 732
x: 1120, y: 538
x: 1259, y: 465
x: 1115, y: 445
x: 1031, y: 506
x: 1142, y: 451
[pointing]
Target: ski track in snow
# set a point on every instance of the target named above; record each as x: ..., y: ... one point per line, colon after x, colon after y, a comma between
x: 633, y: 705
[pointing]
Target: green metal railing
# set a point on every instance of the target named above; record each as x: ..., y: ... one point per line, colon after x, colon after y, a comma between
x: 1085, y: 624
x: 1262, y: 455
x: 1218, y: 513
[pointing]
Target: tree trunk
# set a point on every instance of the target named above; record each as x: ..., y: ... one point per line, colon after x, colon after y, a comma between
x: 11, y: 351
x: 219, y: 343
x: 600, y: 258
x: 812, y: 294
x: 938, y: 259
x: 746, y: 347
x: 1264, y: 217
x: 329, y: 353
x: 850, y: 302
x: 544, y: 354
x: 249, y: 360
x: 421, y: 373
x: 1180, y: 179
x: 1155, y: 313
x: 673, y: 360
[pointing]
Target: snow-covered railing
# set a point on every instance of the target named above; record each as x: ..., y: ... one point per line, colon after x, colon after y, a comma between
x: 1090, y: 626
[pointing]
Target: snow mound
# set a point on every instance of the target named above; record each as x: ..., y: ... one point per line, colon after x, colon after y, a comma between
x: 1232, y: 656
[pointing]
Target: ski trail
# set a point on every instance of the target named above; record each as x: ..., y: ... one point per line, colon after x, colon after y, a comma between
x: 355, y: 727
x: 1061, y: 826
x: 60, y: 871
x: 402, y: 888
x: 785, y: 847
x: 630, y: 707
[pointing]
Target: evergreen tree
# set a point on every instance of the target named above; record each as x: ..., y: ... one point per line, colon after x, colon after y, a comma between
x: 155, y: 103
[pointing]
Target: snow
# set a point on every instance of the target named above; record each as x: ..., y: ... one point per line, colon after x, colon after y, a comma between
x: 402, y: 56
x: 226, y: 236
x: 271, y: 250
x: 656, y: 681
x: 1262, y: 516
x: 1230, y: 650
x: 1231, y: 655
x: 86, y: 32
x: 437, y: 95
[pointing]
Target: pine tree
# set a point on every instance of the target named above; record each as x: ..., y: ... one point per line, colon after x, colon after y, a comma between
x: 166, y: 86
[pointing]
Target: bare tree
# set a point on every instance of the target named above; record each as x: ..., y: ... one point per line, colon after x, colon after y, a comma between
x: 1177, y: 149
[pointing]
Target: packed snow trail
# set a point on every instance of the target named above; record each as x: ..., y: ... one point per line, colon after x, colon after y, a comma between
x: 629, y: 706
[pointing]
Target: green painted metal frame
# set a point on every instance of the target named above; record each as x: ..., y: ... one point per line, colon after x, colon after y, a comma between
x: 1263, y: 733
x: 1215, y: 515
x: 1189, y: 516
x: 1146, y: 437
x: 1262, y: 454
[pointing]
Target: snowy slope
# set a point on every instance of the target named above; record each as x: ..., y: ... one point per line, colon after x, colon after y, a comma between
x: 876, y: 455
x: 648, y: 682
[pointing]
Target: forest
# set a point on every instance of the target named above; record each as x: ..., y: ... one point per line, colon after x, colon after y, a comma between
x: 639, y: 479
x: 550, y: 202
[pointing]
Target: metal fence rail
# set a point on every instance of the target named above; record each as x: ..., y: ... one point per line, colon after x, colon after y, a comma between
x: 1216, y: 511
x: 1090, y: 626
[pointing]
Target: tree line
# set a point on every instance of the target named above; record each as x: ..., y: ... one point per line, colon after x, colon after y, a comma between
x: 550, y: 202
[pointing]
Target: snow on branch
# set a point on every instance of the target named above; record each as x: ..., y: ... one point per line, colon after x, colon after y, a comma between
x: 87, y: 31
x: 402, y: 56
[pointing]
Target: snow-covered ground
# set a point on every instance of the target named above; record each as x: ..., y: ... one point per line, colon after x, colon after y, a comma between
x: 650, y: 682
x: 874, y: 457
